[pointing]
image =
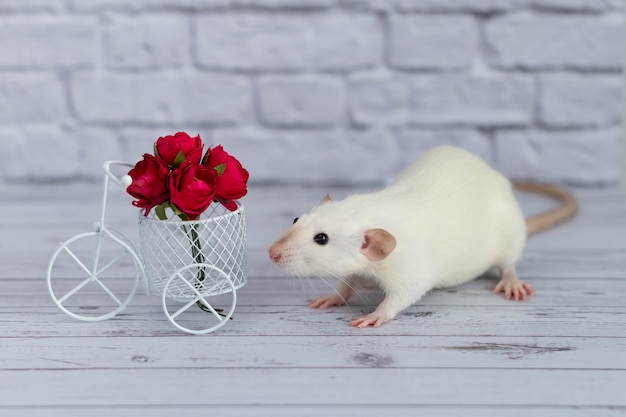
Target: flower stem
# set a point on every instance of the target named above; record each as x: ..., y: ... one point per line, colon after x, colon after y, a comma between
x: 196, y: 250
x: 198, y: 256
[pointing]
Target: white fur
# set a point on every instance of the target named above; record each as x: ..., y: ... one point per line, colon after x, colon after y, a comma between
x: 453, y: 218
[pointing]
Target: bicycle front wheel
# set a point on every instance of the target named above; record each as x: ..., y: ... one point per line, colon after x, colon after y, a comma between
x: 93, y: 276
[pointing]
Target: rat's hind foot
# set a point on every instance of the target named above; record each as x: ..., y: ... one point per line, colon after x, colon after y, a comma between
x: 512, y: 286
x: 334, y: 300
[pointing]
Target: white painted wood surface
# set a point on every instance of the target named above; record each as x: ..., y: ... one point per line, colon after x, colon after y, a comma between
x: 462, y: 351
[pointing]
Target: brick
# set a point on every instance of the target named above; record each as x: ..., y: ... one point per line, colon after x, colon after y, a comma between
x: 35, y: 43
x: 37, y: 152
x: 273, y: 4
x: 297, y: 156
x: 578, y: 5
x: 96, y: 145
x: 414, y: 142
x: 483, y: 6
x: 32, y: 5
x: 14, y: 153
x: 570, y: 100
x: 492, y: 6
x: 281, y: 41
x: 442, y: 99
x: 147, y: 42
x: 194, y: 5
x: 360, y: 5
x: 31, y: 98
x: 584, y: 157
x: 157, y: 98
x: 553, y: 42
x: 432, y: 42
x: 302, y: 101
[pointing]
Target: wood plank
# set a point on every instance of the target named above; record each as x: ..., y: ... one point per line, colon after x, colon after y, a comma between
x: 573, y: 263
x: 315, y: 410
x: 365, y: 351
x: 32, y: 262
x: 602, y: 212
x: 484, y: 321
x: 328, y: 386
x: 286, y: 291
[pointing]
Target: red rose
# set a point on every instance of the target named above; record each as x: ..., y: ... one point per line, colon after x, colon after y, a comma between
x: 233, y: 177
x: 149, y: 184
x: 175, y: 149
x: 192, y: 188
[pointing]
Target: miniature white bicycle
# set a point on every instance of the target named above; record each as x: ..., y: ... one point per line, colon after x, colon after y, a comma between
x: 184, y: 262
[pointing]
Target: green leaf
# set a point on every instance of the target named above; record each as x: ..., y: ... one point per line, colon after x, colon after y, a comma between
x: 180, y: 158
x: 160, y: 210
x: 156, y: 152
x: 220, y: 169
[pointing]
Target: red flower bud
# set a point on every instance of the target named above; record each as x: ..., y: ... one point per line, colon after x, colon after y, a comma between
x: 179, y: 147
x: 233, y: 177
x: 149, y: 184
x: 192, y: 188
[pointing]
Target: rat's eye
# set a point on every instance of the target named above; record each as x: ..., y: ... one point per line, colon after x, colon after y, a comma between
x: 296, y: 219
x: 321, y: 238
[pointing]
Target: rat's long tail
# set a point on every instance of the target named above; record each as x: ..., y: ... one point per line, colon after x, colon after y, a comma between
x: 566, y: 209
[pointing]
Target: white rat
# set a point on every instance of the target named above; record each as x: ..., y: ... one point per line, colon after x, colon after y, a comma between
x: 445, y: 220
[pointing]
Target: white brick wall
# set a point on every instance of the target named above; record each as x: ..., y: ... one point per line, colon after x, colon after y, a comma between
x: 314, y: 90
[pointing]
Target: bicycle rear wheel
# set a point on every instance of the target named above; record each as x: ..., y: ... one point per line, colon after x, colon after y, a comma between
x: 198, y: 315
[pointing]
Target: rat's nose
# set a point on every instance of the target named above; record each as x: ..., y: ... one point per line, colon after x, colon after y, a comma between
x: 275, y: 254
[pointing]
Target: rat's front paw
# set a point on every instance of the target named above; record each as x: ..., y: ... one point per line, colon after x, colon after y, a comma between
x: 374, y: 319
x: 334, y: 300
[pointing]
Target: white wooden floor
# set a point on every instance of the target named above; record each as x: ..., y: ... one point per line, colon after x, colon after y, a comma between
x: 458, y: 352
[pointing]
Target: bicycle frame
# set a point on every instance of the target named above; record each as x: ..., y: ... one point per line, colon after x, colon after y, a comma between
x: 101, y: 226
x: 90, y: 272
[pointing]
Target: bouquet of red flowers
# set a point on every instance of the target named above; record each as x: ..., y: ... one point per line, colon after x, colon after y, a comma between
x: 179, y: 177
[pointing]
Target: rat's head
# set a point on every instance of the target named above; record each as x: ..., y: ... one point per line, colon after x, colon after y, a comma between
x: 330, y: 240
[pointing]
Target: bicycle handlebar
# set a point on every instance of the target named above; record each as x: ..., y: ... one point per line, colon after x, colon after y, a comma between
x: 124, y: 180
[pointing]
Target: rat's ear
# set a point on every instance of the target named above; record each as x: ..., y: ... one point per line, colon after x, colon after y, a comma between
x: 377, y: 244
x: 327, y: 198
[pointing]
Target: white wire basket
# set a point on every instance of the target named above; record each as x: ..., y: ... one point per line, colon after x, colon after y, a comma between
x: 204, y: 251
